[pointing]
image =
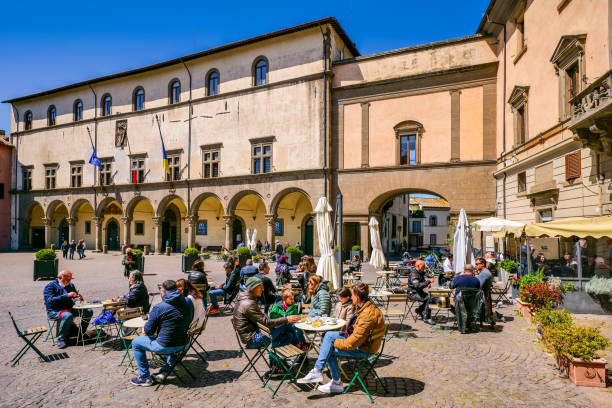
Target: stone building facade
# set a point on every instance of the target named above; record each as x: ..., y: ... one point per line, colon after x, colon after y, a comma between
x: 6, y: 181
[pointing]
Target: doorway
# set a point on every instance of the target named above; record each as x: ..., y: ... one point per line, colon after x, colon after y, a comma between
x: 38, y: 237
x: 63, y: 233
x: 308, y: 237
x: 237, y: 237
x: 112, y: 235
x: 169, y: 230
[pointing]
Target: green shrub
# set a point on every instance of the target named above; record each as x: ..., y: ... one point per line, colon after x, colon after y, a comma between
x: 138, y: 253
x: 191, y: 252
x: 569, y: 287
x: 509, y: 266
x: 553, y: 317
x: 599, y: 286
x: 355, y: 248
x: 46, y: 255
x: 294, y: 250
x: 243, y: 251
x: 575, y: 341
x: 529, y: 279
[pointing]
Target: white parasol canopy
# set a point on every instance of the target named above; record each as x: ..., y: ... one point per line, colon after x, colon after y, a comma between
x: 494, y: 224
x: 327, y: 264
x: 377, y: 258
x: 250, y: 238
x: 463, y: 252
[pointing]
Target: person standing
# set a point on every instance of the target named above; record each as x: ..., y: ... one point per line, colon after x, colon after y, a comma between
x: 64, y: 248
x: 84, y: 248
x: 486, y: 282
x: 267, y: 247
x: 80, y: 249
x: 129, y: 262
x: 72, y: 248
x: 258, y: 246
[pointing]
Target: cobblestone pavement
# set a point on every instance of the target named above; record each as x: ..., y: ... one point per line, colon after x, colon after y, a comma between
x: 432, y: 368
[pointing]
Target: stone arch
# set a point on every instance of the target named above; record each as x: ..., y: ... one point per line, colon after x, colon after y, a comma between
x: 376, y: 205
x: 231, y: 207
x: 107, y: 238
x: 105, y: 203
x: 74, y: 208
x: 131, y: 205
x: 292, y: 207
x: 51, y: 208
x: 200, y: 198
x: 33, y: 228
x: 283, y: 193
x: 166, y: 200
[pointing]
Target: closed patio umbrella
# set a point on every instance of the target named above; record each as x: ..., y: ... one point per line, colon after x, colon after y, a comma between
x: 251, y: 239
x: 326, y: 267
x: 377, y: 259
x: 463, y: 252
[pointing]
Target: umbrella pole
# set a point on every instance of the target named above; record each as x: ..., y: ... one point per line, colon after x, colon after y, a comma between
x: 528, y: 252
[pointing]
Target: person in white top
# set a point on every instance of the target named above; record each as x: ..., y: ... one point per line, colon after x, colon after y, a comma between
x: 195, y: 297
x: 448, y: 264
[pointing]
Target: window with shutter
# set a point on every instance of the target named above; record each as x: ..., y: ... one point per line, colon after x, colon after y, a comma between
x: 572, y: 165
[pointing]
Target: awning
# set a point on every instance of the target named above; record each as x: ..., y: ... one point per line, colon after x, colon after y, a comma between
x: 494, y: 224
x: 596, y: 227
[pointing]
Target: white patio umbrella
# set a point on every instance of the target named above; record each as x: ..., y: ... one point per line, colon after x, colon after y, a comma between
x: 377, y: 258
x: 494, y: 224
x: 251, y: 239
x: 463, y: 252
x: 327, y: 264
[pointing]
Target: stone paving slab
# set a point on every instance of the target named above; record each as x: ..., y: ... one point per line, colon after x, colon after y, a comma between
x: 431, y: 368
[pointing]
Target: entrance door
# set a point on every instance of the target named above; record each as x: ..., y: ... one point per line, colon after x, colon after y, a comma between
x: 169, y: 229
x: 112, y: 235
x: 237, y: 233
x: 63, y: 233
x: 308, y: 237
x: 38, y: 237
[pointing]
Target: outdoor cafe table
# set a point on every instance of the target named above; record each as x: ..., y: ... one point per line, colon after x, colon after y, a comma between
x: 135, y: 323
x: 386, y: 276
x: 379, y: 296
x: 311, y: 332
x: 84, y: 306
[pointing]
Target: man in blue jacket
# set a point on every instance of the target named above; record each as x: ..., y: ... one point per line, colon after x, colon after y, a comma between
x: 247, y: 271
x: 170, y: 319
x: 60, y: 296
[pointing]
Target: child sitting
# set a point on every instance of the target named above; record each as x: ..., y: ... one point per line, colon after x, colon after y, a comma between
x: 286, y: 333
x: 344, y: 308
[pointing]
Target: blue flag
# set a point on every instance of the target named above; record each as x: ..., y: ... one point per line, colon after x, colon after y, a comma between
x: 94, y: 158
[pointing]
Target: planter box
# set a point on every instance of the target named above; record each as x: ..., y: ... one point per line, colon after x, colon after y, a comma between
x: 293, y: 259
x: 188, y: 261
x: 45, y: 269
x: 140, y: 263
x: 358, y: 253
x: 583, y: 303
x: 586, y: 373
x: 525, y: 308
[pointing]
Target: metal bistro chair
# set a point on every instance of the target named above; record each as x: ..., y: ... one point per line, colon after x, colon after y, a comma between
x: 53, y: 332
x: 500, y: 294
x: 282, y: 355
x: 108, y: 307
x: 397, y: 315
x: 231, y: 299
x: 122, y: 316
x: 180, y: 355
x: 257, y: 354
x: 197, y: 333
x: 30, y: 337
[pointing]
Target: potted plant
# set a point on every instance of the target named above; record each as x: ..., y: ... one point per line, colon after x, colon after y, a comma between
x: 258, y: 258
x: 534, y: 297
x: 576, y: 351
x: 140, y: 259
x: 243, y: 253
x: 600, y: 289
x: 205, y: 255
x: 356, y: 250
x: 190, y: 255
x: 549, y: 317
x: 294, y: 255
x: 45, y: 264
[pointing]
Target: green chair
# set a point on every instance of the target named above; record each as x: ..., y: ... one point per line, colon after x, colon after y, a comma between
x: 126, y: 339
x: 400, y: 314
x: 53, y: 329
x: 367, y: 365
x: 30, y: 337
x: 258, y: 353
x: 108, y: 307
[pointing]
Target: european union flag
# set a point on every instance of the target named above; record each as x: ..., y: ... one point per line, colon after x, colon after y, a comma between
x: 94, y: 158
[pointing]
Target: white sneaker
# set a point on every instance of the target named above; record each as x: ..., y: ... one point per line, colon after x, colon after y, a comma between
x: 312, y: 377
x: 331, y: 388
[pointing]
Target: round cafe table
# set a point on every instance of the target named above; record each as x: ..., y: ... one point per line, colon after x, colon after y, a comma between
x: 311, y: 332
x: 135, y: 323
x: 386, y: 277
x: 84, y: 306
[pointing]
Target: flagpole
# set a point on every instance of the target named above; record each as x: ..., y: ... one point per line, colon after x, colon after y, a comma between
x: 94, y: 149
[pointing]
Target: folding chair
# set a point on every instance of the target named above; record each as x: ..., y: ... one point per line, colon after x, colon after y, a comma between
x: 368, y: 363
x: 399, y: 314
x: 197, y: 333
x: 281, y: 355
x: 180, y: 355
x: 30, y: 337
x: 53, y: 332
x: 501, y: 293
x: 108, y: 307
x: 257, y: 354
x: 122, y: 316
x: 231, y: 300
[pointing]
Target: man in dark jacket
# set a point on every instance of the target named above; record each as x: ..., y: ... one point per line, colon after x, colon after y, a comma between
x: 417, y: 285
x: 247, y: 271
x: 466, y: 280
x: 170, y: 319
x: 64, y: 248
x: 129, y: 262
x: 60, y: 295
x: 232, y: 280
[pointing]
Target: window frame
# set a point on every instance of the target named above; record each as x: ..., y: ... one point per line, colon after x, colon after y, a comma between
x: 209, y: 77
x: 141, y: 172
x: 519, y: 105
x: 28, y: 118
x: 261, y: 157
x: 78, y: 176
x: 211, y: 161
x: 105, y: 174
x: 87, y: 227
x: 136, y: 225
x: 171, y: 95
x: 103, y: 105
x: 569, y: 53
x: 433, y: 239
x: 175, y: 168
x: 433, y: 220
x: 51, y: 115
x: 576, y: 171
x: 135, y: 96
x: 51, y: 176
x: 26, y: 182
x: 521, y: 185
x: 77, y: 110
x: 408, y: 129
x: 256, y: 69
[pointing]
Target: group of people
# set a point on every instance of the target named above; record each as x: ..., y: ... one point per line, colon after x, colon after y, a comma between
x: 69, y: 248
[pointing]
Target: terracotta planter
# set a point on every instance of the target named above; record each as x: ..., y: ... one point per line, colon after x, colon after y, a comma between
x: 525, y: 308
x: 588, y: 373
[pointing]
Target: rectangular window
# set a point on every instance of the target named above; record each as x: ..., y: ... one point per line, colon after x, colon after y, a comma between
x: 572, y: 84
x: 433, y: 239
x: 279, y: 227
x: 262, y: 158
x: 545, y: 215
x: 572, y: 165
x: 50, y: 177
x: 174, y: 160
x: 139, y: 227
x: 416, y: 227
x: 76, y: 175
x: 408, y: 149
x: 522, y: 182
x: 88, y: 227
x: 210, y: 161
x: 520, y: 117
x: 106, y: 172
x: 393, y: 226
x: 138, y: 170
x: 404, y: 225
x: 1, y: 191
x: 27, y: 178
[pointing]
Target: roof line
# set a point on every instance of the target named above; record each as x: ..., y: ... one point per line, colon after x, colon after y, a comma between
x: 328, y: 20
x: 413, y: 48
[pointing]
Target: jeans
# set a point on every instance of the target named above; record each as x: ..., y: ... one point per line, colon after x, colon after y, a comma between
x: 328, y: 354
x: 213, y: 297
x: 259, y: 340
x: 424, y: 306
x: 80, y: 252
x: 287, y: 334
x: 71, y: 254
x: 142, y: 344
x: 65, y: 254
x: 66, y: 321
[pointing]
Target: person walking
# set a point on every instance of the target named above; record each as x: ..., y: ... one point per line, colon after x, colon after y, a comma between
x: 72, y: 248
x: 80, y: 249
x: 64, y: 248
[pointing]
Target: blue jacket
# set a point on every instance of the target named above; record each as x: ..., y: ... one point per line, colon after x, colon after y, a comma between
x: 247, y: 271
x: 464, y: 281
x: 170, y: 319
x: 138, y: 296
x: 56, y: 297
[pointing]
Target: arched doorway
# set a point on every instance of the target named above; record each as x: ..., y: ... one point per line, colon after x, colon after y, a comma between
x: 34, y: 234
x: 237, y: 232
x: 293, y: 210
x: 170, y: 228
x: 112, y: 235
x: 63, y: 232
x: 309, y: 236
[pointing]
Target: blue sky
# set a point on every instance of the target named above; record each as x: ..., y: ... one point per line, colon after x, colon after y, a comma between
x: 44, y: 45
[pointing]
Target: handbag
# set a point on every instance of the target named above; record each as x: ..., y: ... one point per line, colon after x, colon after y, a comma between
x: 105, y: 317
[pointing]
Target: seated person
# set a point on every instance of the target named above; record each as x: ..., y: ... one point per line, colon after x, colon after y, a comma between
x: 283, y: 272
x: 269, y: 294
x: 232, y: 279
x: 170, y: 319
x: 416, y: 287
x: 318, y: 294
x: 59, y: 296
x: 447, y: 269
x: 355, y: 264
x: 247, y: 314
x: 286, y: 333
x: 194, y: 296
x: 197, y: 276
x: 466, y: 280
x: 353, y: 342
x: 344, y: 308
x: 247, y: 271
x: 138, y: 296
